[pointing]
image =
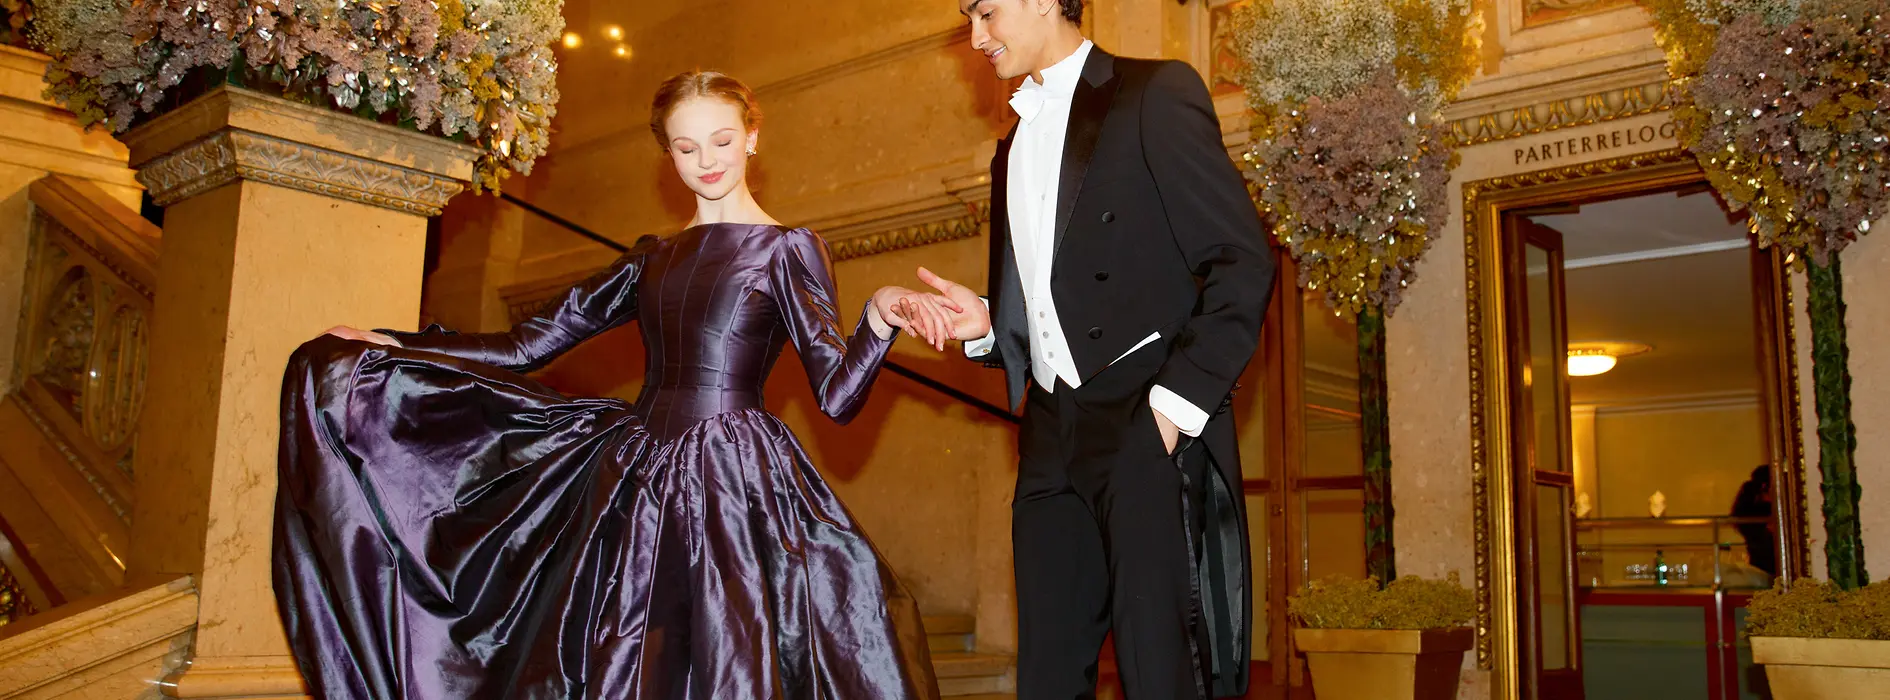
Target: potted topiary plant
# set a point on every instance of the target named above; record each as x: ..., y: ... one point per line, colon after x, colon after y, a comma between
x: 1404, y: 641
x: 1818, y: 640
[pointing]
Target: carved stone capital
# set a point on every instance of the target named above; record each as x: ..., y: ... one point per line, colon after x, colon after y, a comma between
x: 234, y: 134
x: 230, y: 155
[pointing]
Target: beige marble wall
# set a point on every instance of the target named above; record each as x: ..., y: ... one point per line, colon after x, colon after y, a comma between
x: 1867, y: 292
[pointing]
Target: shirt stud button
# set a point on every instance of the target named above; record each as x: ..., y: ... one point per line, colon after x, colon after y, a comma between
x: 1102, y: 277
x: 1109, y: 217
x: 1095, y: 333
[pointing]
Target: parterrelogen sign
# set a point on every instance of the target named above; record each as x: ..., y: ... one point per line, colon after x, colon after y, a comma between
x: 1597, y: 141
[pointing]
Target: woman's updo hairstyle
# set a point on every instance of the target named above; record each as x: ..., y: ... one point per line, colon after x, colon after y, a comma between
x: 701, y: 83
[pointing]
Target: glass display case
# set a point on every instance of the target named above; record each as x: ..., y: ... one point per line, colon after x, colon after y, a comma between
x: 1700, y: 553
x: 1662, y: 607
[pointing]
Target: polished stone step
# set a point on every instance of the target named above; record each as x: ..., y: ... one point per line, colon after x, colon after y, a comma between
x: 962, y: 674
x: 949, y: 633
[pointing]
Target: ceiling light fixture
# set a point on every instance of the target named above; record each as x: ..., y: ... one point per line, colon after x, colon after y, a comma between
x: 614, y: 32
x: 1591, y: 359
x: 623, y: 52
x: 572, y: 40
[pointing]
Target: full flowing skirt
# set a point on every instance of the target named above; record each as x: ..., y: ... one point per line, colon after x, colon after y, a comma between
x: 447, y: 529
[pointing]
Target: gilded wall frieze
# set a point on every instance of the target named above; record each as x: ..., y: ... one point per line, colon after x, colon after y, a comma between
x: 230, y: 155
x: 970, y: 225
x: 1581, y: 110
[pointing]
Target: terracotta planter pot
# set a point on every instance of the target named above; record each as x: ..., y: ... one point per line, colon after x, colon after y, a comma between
x: 1385, y: 664
x: 1799, y: 668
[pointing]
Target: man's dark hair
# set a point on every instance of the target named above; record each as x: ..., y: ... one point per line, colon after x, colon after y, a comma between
x: 1072, y: 11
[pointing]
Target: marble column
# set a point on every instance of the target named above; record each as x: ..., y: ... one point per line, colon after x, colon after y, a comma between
x: 281, y: 220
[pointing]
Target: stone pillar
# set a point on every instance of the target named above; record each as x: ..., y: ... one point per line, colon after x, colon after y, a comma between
x: 38, y: 138
x: 481, y: 240
x: 281, y: 220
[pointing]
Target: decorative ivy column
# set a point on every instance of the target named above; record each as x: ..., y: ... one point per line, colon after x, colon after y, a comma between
x: 1381, y: 561
x: 1837, y: 437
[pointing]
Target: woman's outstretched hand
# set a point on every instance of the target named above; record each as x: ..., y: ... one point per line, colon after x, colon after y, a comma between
x: 925, y: 316
x: 364, y: 336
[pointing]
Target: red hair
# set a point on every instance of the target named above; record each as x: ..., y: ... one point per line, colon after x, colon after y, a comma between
x: 701, y: 84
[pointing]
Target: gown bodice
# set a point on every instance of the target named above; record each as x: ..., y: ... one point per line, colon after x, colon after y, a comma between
x: 716, y: 304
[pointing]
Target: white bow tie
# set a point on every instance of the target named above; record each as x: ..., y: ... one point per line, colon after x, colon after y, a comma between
x: 1028, y: 100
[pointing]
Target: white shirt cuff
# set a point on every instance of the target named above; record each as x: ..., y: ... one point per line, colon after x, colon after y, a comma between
x: 1187, y: 417
x: 975, y: 349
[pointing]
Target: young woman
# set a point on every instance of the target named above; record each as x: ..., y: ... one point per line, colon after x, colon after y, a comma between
x: 449, y: 528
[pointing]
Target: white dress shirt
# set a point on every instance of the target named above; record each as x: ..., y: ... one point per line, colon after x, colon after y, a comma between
x: 1035, y: 169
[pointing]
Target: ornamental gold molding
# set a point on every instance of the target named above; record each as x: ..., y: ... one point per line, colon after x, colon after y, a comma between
x: 230, y: 155
x: 970, y: 225
x: 1583, y: 110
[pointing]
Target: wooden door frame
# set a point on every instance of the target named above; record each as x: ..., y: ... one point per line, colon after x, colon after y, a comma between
x: 1492, y: 468
x: 1282, y: 341
x: 1527, y: 474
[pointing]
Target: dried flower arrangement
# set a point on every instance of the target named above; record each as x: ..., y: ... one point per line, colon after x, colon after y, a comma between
x: 477, y: 70
x: 1409, y: 603
x: 1351, y: 156
x: 1789, y: 111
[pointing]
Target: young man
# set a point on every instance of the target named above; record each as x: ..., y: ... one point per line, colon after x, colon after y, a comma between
x: 1129, y: 281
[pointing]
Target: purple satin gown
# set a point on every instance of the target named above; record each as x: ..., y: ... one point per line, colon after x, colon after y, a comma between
x: 446, y: 527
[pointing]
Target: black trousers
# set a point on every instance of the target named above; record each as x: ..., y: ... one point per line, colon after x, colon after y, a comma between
x: 1103, y: 523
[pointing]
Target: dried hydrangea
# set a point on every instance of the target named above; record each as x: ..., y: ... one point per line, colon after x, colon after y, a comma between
x: 478, y: 70
x: 1351, y: 160
x: 1793, y: 123
x: 99, y: 64
x: 1353, y: 186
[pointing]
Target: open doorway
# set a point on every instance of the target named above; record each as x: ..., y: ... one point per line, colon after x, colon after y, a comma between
x: 1645, y: 441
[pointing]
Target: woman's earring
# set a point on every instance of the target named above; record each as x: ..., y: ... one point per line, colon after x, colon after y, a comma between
x: 751, y: 151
